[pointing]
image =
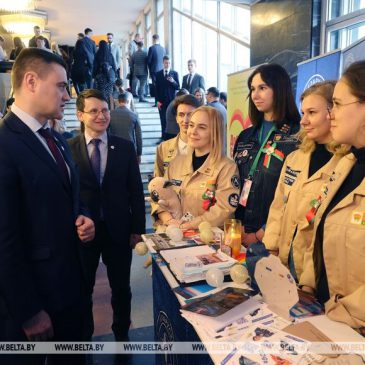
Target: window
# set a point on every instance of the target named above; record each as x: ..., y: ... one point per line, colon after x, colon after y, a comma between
x: 197, y: 31
x: 337, y: 8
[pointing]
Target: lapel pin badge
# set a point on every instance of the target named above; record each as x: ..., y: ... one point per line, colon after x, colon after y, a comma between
x: 112, y: 147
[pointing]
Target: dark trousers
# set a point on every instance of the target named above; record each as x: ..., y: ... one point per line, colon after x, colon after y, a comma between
x: 153, y: 78
x: 162, y: 112
x: 68, y: 326
x: 117, y: 256
x: 142, y: 86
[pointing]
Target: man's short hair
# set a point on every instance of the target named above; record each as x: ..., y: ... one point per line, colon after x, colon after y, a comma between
x: 33, y: 59
x: 36, y: 27
x: 41, y: 38
x: 155, y: 37
x: 166, y: 58
x: 223, y: 95
x: 139, y: 44
x: 86, y: 94
x: 137, y: 35
x: 87, y: 31
x: 81, y: 35
x: 124, y: 97
x: 186, y: 99
x: 110, y: 34
x: 181, y: 92
x: 214, y: 91
x: 9, y: 102
x: 192, y: 61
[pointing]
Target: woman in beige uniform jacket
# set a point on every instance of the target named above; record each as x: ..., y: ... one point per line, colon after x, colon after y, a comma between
x: 168, y: 150
x: 206, y: 181
x: 334, y: 267
x: 289, y: 227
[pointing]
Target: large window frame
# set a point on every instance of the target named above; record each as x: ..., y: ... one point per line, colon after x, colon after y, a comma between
x: 339, y: 31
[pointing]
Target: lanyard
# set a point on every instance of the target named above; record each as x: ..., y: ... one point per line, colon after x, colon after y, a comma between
x: 257, y: 158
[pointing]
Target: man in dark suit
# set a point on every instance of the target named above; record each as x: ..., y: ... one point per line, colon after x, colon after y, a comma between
x: 33, y: 40
x: 90, y: 47
x: 111, y: 188
x: 155, y: 61
x: 42, y: 289
x: 193, y: 80
x: 167, y: 82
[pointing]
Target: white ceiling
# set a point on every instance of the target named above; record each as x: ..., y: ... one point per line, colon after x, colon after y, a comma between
x: 66, y: 18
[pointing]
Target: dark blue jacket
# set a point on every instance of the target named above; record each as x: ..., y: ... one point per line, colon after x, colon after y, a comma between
x: 264, y: 180
x: 165, y: 90
x: 39, y: 249
x: 155, y: 58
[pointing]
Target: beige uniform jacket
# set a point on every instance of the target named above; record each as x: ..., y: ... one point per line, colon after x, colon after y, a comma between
x: 287, y: 215
x: 221, y: 179
x: 165, y: 152
x: 343, y: 250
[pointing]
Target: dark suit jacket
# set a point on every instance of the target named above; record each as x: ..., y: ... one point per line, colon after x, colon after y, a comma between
x: 90, y: 47
x: 155, y: 58
x: 120, y: 195
x: 198, y: 81
x: 39, y: 258
x: 165, y: 90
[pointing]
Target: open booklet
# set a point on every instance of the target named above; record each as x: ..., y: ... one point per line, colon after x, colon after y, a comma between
x: 216, y: 311
x: 190, y: 264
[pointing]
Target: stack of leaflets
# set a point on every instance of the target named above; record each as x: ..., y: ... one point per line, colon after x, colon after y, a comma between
x: 216, y: 312
x: 190, y: 264
x: 266, y: 345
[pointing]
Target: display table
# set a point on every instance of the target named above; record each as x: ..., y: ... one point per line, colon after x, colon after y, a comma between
x: 170, y: 326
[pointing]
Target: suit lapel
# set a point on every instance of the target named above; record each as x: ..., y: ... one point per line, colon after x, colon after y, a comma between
x: 29, y: 138
x: 109, y: 159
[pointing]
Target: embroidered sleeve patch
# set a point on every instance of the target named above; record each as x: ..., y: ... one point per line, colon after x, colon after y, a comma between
x: 235, y: 181
x: 233, y: 200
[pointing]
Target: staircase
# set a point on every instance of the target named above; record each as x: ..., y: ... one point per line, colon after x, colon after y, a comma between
x: 151, y: 134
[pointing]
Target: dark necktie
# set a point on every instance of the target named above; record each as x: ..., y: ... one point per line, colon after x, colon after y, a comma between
x: 189, y: 82
x: 95, y: 158
x: 166, y: 74
x: 47, y: 135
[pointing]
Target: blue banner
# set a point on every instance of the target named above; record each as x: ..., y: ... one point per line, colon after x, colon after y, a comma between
x: 326, y: 67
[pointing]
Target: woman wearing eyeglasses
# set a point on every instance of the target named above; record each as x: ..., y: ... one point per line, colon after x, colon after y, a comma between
x: 289, y: 226
x: 334, y: 267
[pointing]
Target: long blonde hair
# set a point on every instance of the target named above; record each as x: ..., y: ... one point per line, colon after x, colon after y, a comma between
x: 325, y: 90
x: 216, y: 132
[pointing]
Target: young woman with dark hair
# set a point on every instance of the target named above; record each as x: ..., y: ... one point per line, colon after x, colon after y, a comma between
x: 260, y: 150
x: 104, y: 72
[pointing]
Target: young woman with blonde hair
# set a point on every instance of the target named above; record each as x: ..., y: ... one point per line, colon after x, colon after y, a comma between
x: 206, y: 181
x: 334, y: 264
x: 289, y: 226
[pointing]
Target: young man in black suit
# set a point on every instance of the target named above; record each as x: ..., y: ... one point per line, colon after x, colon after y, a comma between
x: 193, y: 80
x: 155, y: 61
x: 111, y: 188
x: 167, y: 83
x: 42, y: 289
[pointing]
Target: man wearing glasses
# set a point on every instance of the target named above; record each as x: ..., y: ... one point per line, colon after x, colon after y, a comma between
x: 111, y: 188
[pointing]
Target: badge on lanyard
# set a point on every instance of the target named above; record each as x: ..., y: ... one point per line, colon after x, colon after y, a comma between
x: 245, y: 192
x: 270, y: 150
